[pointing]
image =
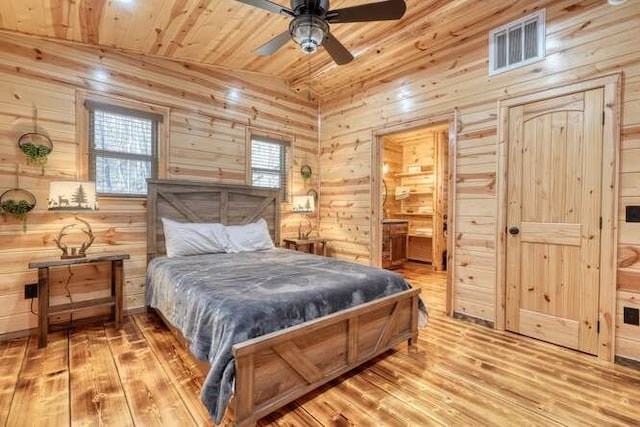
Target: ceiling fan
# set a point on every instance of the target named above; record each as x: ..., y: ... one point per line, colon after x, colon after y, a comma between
x: 309, y: 27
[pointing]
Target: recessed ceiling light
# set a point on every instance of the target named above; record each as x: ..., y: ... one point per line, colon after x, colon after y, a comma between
x: 616, y: 2
x: 124, y: 1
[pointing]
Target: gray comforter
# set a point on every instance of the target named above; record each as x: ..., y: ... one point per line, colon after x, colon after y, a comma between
x: 218, y: 300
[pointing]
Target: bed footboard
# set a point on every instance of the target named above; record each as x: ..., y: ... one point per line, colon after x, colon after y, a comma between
x: 277, y: 368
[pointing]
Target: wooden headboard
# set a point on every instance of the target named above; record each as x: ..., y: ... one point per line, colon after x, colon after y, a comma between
x: 192, y: 201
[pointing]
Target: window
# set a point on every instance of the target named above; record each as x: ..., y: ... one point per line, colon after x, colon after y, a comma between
x: 517, y: 44
x: 123, y: 149
x: 269, y: 164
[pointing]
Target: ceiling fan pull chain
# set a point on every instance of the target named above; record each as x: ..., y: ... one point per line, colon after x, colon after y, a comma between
x: 309, y: 97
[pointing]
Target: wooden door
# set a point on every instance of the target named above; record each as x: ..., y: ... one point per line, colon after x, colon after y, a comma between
x: 553, y: 219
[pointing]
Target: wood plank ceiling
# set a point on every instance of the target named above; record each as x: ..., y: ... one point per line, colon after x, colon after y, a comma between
x: 225, y: 33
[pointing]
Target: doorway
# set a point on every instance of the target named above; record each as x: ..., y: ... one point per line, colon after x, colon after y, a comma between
x: 415, y: 202
x: 423, y: 205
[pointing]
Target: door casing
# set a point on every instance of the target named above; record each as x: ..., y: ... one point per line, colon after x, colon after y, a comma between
x: 609, y: 206
x: 377, y: 135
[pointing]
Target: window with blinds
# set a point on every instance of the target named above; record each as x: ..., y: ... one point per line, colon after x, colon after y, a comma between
x: 517, y: 44
x: 123, y: 149
x: 269, y: 164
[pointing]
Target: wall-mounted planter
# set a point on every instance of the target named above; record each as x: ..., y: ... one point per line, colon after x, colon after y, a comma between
x: 36, y: 147
x: 305, y: 171
x: 17, y: 203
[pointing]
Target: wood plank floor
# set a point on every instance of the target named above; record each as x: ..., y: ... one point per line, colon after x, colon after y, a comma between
x: 459, y: 374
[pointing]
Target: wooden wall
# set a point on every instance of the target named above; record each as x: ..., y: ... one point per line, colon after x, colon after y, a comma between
x: 416, y: 148
x: 584, y: 39
x: 392, y: 157
x: 211, y: 111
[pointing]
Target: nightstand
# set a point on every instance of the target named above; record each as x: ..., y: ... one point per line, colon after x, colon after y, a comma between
x: 44, y: 310
x: 309, y: 243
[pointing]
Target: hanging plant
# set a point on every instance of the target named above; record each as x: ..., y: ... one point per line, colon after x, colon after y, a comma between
x: 305, y: 171
x: 17, y: 203
x: 36, y: 147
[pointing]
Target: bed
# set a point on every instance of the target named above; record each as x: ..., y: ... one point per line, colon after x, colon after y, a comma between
x: 266, y: 366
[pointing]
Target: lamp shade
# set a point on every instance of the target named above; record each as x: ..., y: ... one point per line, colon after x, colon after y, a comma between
x: 304, y: 204
x: 72, y: 196
x: 308, y: 31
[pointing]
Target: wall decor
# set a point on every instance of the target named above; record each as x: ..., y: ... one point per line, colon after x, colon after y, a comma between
x: 303, y: 204
x: 17, y: 202
x: 305, y: 171
x: 79, y: 251
x: 36, y: 146
x: 304, y: 228
x: 73, y: 196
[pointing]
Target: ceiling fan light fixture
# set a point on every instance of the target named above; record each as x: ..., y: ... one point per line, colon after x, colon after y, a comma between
x: 308, y: 31
x: 309, y: 26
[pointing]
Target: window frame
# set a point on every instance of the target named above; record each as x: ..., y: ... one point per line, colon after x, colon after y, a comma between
x: 283, y: 140
x: 84, y: 103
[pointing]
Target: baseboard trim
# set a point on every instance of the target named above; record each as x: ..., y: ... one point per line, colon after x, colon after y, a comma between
x: 9, y: 336
x: 477, y: 321
x: 629, y: 363
x: 136, y: 310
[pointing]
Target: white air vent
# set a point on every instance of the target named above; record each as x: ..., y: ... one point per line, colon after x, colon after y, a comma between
x: 517, y: 43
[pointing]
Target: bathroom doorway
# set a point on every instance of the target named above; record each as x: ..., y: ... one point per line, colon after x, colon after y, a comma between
x: 414, y: 173
x: 412, y: 167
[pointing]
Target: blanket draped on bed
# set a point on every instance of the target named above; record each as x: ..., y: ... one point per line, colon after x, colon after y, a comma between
x: 219, y: 300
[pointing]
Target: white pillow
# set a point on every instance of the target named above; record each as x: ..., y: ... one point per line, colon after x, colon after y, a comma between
x: 193, y: 238
x: 249, y: 237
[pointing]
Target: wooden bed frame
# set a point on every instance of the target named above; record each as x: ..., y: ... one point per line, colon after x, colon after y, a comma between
x: 275, y: 369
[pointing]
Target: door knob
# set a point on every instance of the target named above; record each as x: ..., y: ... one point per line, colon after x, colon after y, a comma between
x: 514, y: 230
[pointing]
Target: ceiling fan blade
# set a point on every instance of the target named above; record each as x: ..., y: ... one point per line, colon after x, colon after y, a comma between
x: 268, y: 5
x: 274, y: 44
x: 381, y: 11
x: 338, y: 52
